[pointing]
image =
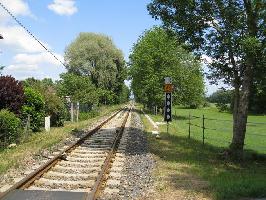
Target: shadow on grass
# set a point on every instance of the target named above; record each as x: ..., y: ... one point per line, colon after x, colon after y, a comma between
x: 174, y: 116
x: 178, y: 117
x: 226, y: 179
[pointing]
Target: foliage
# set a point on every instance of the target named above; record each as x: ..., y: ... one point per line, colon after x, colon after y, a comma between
x: 95, y: 56
x: 80, y: 88
x: 157, y: 55
x: 10, y: 127
x: 11, y: 94
x: 10, y: 158
x: 54, y: 105
x: 88, y: 115
x: 223, y: 107
x: 56, y: 109
x: 232, y: 34
x: 124, y: 97
x: 34, y: 106
x: 258, y: 95
x: 221, y: 96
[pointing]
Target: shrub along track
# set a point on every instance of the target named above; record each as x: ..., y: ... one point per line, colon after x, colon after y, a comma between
x: 79, y: 172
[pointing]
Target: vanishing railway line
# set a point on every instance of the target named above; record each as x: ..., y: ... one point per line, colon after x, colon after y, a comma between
x: 81, y: 170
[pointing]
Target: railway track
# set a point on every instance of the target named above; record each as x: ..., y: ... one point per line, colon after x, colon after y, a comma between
x: 80, y: 171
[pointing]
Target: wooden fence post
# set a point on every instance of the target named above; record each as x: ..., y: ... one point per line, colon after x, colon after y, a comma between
x: 189, y: 126
x: 203, y: 129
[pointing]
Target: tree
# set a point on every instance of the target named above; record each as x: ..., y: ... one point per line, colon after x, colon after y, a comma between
x: 157, y: 55
x: 95, y: 56
x: 258, y: 94
x: 80, y: 88
x: 124, y: 97
x: 11, y: 94
x: 232, y: 34
x: 34, y: 106
x: 222, y: 98
x: 54, y: 105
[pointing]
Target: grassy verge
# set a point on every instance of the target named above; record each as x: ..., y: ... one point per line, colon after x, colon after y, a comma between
x: 43, y: 140
x: 219, y: 132
x: 187, y: 169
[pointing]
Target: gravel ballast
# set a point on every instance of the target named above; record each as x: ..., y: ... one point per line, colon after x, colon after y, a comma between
x: 135, y: 181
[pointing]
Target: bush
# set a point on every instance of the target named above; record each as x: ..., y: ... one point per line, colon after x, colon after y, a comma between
x: 10, y: 127
x: 88, y: 115
x: 221, y: 96
x: 55, y: 108
x: 11, y: 94
x: 223, y: 107
x: 34, y: 106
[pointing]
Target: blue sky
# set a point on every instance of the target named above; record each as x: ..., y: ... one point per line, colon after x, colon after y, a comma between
x: 57, y: 22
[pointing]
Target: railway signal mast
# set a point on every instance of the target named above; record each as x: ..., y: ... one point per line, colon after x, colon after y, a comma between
x: 168, y: 89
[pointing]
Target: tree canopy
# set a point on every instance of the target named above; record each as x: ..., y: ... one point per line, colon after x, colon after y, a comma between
x: 11, y: 94
x: 232, y: 34
x: 96, y: 57
x: 157, y: 55
x: 54, y: 104
x: 221, y: 96
x: 80, y: 88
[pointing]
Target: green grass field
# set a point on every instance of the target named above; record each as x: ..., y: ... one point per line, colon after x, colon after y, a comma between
x: 188, y: 166
x: 218, y: 125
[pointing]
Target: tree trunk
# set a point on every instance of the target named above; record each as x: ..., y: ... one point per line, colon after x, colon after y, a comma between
x: 241, y: 111
x: 240, y: 114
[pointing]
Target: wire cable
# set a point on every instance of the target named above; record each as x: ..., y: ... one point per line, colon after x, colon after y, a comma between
x: 31, y: 34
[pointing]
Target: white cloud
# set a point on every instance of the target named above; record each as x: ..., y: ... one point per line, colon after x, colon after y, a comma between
x: 63, y: 7
x: 16, y: 7
x: 23, y: 55
x: 38, y: 65
x: 37, y: 59
x: 17, y: 39
x: 21, y: 67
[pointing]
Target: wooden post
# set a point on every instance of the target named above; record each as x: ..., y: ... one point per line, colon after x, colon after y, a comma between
x: 203, y: 129
x: 27, y: 127
x: 189, y: 126
x: 72, y: 112
x: 77, y: 111
x: 167, y: 127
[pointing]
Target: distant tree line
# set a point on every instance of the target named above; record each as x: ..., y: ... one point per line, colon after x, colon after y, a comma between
x: 95, y: 75
x: 224, y: 100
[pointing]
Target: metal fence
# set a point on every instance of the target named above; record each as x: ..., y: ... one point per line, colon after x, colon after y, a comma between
x: 219, y: 132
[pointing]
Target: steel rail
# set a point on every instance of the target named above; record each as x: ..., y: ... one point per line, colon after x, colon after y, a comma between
x: 107, y: 163
x: 29, y: 179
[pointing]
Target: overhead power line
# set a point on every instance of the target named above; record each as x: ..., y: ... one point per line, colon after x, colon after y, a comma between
x: 31, y: 34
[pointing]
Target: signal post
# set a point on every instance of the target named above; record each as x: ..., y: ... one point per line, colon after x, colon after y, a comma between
x: 168, y: 89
